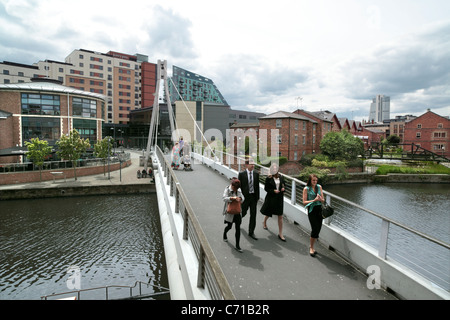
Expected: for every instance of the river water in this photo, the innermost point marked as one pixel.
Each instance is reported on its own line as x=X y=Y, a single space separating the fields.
x=423 y=207
x=110 y=240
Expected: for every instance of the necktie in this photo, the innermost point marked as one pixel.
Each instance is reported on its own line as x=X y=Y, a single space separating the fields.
x=251 y=182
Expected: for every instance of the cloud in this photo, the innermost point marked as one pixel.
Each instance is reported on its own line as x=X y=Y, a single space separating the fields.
x=168 y=36
x=414 y=71
x=249 y=80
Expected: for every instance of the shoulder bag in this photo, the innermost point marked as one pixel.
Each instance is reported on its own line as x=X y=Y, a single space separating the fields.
x=327 y=210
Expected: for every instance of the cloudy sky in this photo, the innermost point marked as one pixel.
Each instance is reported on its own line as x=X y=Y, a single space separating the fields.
x=264 y=56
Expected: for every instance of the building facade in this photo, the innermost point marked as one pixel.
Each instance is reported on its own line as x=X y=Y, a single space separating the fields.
x=189 y=86
x=45 y=109
x=297 y=135
x=128 y=81
x=430 y=131
x=380 y=109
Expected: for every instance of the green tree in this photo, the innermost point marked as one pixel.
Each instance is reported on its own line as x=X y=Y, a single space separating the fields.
x=103 y=149
x=71 y=147
x=341 y=145
x=38 y=150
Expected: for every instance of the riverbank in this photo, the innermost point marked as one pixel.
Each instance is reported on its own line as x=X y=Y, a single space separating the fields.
x=365 y=177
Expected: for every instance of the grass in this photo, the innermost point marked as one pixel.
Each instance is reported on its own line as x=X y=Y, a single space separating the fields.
x=427 y=169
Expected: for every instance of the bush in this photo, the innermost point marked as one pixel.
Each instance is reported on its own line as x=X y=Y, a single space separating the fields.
x=322 y=174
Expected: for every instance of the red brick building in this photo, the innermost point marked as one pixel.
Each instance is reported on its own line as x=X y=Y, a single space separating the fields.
x=430 y=131
x=45 y=109
x=297 y=134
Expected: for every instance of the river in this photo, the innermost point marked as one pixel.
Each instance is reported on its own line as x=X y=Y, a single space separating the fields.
x=423 y=207
x=110 y=240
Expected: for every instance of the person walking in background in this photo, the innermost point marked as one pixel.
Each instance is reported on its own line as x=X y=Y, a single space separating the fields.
x=181 y=145
x=312 y=199
x=249 y=179
x=232 y=193
x=273 y=203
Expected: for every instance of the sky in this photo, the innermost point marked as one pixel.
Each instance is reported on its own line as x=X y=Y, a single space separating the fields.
x=282 y=55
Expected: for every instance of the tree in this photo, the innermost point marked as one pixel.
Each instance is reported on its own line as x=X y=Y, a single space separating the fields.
x=103 y=149
x=38 y=150
x=71 y=147
x=341 y=145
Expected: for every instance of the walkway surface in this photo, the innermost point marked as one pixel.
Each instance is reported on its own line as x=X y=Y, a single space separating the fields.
x=269 y=269
x=128 y=177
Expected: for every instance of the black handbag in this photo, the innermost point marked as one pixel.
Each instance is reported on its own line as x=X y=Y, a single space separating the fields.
x=327 y=210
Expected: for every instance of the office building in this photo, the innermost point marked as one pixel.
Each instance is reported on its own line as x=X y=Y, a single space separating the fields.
x=380 y=109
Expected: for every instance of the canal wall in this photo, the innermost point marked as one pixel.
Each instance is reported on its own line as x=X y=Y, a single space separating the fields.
x=73 y=191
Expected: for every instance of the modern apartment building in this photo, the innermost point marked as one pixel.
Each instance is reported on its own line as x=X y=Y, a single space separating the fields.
x=189 y=86
x=128 y=81
x=380 y=109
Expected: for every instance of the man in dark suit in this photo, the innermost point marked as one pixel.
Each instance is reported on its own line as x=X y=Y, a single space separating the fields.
x=249 y=179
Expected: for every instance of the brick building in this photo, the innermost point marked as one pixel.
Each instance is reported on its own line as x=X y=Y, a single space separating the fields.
x=47 y=110
x=430 y=131
x=297 y=134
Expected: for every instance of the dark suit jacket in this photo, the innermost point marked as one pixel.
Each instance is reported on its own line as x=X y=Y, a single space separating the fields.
x=243 y=178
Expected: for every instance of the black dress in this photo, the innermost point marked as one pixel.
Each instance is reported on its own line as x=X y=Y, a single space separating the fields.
x=273 y=203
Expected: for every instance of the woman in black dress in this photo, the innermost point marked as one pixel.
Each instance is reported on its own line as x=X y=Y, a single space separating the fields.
x=273 y=203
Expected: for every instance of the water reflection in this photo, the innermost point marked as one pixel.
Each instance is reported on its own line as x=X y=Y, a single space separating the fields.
x=114 y=240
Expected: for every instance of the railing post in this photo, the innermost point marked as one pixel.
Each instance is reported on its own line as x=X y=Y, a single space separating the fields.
x=177 y=200
x=185 y=224
x=293 y=192
x=201 y=264
x=382 y=252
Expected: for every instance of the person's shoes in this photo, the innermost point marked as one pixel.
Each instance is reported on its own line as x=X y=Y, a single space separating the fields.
x=253 y=236
x=238 y=249
x=282 y=239
x=265 y=227
x=313 y=254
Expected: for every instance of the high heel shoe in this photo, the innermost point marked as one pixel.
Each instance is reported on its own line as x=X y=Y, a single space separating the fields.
x=312 y=254
x=265 y=226
x=282 y=239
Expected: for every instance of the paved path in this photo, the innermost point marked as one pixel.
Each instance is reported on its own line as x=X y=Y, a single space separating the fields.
x=128 y=177
x=268 y=268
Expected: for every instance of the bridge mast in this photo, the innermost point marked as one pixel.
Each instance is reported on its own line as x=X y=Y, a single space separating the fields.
x=161 y=75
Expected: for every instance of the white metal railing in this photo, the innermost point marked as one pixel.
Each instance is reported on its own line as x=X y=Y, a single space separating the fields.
x=209 y=273
x=294 y=189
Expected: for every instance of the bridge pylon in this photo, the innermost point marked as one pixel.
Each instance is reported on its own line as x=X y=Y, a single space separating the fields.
x=154 y=122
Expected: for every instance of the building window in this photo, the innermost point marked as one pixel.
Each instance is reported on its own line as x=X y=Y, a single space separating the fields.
x=418 y=135
x=42 y=104
x=43 y=128
x=296 y=140
x=279 y=139
x=279 y=123
x=85 y=108
x=419 y=126
x=87 y=129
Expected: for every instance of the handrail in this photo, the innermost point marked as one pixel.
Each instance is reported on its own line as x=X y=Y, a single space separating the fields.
x=78 y=292
x=208 y=263
x=218 y=163
x=378 y=215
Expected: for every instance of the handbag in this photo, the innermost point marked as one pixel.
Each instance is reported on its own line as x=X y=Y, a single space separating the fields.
x=327 y=210
x=234 y=207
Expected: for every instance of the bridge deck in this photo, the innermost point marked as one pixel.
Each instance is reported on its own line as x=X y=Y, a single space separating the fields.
x=269 y=269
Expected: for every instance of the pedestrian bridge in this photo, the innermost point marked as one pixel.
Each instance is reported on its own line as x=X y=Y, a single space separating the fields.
x=201 y=266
